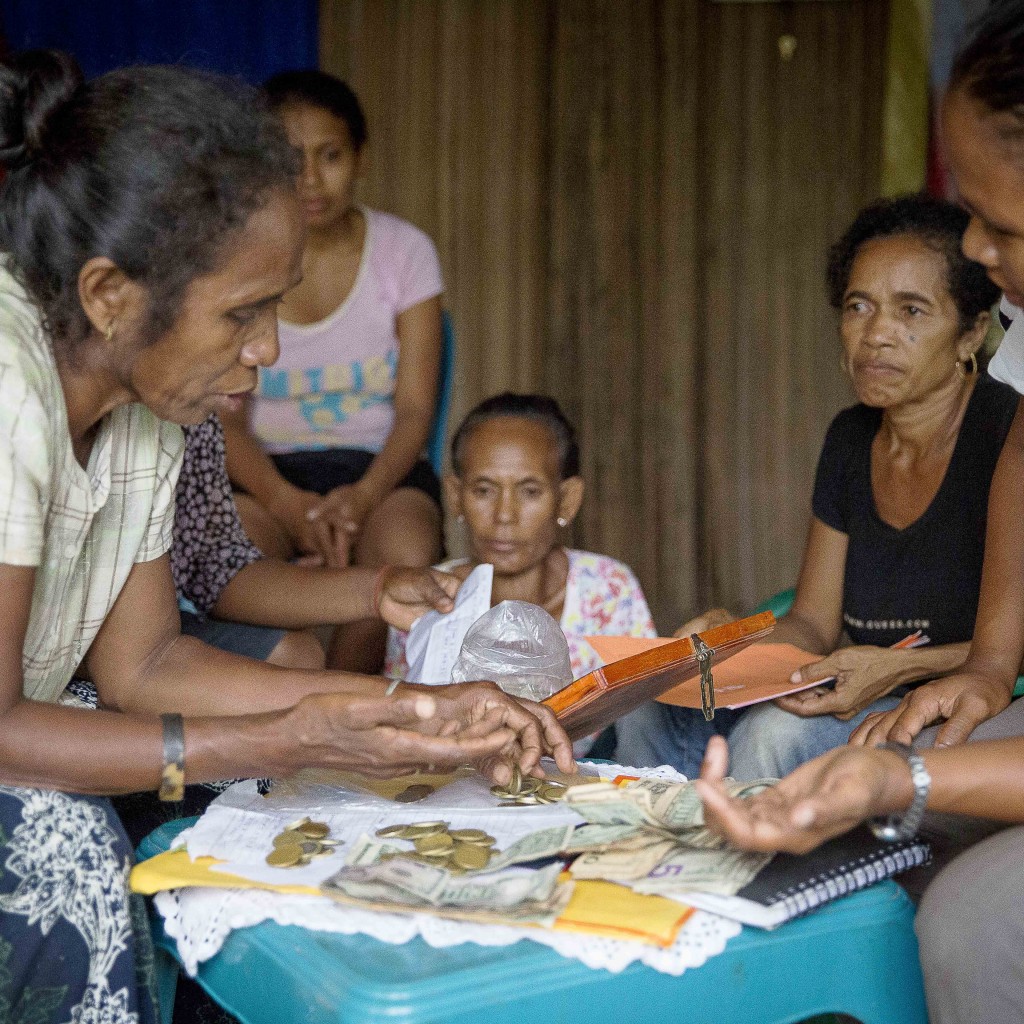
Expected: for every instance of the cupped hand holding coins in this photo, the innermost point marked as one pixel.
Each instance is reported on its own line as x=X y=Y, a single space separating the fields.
x=435 y=727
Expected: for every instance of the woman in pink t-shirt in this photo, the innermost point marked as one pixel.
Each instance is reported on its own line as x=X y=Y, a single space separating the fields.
x=329 y=449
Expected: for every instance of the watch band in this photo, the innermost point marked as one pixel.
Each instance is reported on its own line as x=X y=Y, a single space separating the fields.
x=172 y=778
x=896 y=827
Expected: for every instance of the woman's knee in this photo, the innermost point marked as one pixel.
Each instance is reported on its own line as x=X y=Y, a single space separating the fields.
x=405 y=529
x=970 y=929
x=299 y=649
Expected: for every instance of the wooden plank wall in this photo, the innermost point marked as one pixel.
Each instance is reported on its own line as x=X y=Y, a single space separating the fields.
x=632 y=201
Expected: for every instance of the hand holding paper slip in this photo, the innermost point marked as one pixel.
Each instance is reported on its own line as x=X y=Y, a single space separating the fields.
x=758 y=673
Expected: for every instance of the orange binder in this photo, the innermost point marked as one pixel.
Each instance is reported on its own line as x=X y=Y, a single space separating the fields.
x=600 y=697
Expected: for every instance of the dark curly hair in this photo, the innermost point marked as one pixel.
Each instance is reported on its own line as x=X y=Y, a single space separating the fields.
x=538 y=408
x=990 y=67
x=940 y=226
x=319 y=89
x=155 y=168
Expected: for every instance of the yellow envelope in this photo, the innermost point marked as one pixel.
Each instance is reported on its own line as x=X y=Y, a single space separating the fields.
x=596 y=908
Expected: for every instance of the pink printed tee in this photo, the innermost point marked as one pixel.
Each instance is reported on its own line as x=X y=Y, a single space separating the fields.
x=334 y=384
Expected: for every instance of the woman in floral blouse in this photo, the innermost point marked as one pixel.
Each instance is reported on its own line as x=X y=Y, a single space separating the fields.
x=515 y=487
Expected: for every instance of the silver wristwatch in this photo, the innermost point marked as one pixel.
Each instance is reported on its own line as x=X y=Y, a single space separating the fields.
x=895 y=827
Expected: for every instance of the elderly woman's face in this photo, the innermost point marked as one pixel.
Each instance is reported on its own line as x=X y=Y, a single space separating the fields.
x=509 y=493
x=899 y=324
x=989 y=175
x=227 y=326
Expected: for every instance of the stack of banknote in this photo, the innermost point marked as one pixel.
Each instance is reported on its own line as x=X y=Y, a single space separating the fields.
x=648 y=835
x=385 y=876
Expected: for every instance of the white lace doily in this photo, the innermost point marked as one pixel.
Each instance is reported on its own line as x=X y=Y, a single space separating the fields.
x=200 y=919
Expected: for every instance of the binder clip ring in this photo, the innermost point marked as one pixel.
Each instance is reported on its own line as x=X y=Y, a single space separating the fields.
x=704 y=654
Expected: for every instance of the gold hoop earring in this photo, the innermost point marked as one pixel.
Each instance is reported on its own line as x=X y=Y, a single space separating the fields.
x=968 y=367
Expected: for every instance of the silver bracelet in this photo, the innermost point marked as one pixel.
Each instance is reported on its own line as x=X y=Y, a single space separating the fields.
x=896 y=827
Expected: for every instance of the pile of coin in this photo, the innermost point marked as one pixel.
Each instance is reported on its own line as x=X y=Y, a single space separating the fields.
x=522 y=792
x=458 y=850
x=301 y=842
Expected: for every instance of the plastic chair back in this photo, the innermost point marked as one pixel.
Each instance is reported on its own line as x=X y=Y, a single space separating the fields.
x=778 y=604
x=446 y=377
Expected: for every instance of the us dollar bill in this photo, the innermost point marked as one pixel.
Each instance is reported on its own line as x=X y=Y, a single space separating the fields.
x=534 y=896
x=723 y=872
x=546 y=842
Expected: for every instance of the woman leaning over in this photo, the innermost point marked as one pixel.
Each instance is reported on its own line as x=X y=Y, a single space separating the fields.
x=897 y=531
x=971 y=921
x=151 y=225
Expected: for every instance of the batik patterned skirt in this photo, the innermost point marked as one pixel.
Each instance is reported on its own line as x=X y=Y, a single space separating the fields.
x=74 y=942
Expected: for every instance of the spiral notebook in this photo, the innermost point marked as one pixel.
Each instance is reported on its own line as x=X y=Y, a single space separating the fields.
x=791 y=885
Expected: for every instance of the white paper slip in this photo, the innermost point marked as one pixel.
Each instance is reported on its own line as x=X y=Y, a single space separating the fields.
x=435 y=639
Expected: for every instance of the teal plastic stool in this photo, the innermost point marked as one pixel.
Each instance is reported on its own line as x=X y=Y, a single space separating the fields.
x=779 y=604
x=857 y=956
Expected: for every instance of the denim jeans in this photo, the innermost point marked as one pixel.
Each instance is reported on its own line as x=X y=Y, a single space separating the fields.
x=764 y=741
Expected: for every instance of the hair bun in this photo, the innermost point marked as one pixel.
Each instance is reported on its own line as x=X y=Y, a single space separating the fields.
x=33 y=86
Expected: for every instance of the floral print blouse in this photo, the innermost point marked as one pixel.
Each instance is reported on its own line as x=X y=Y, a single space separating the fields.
x=602 y=598
x=210 y=546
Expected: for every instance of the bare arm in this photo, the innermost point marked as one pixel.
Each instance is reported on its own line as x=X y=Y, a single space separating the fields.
x=840 y=789
x=419 y=363
x=269 y=592
x=252 y=469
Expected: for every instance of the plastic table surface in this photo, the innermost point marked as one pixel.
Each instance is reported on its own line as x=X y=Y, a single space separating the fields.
x=857 y=955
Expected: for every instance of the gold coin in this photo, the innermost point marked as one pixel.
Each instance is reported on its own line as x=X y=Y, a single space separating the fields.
x=501 y=792
x=284 y=857
x=411 y=794
x=472 y=858
x=436 y=856
x=551 y=793
x=391 y=832
x=470 y=835
x=431 y=845
x=288 y=839
x=296 y=825
x=314 y=830
x=419 y=829
x=516 y=785
x=529 y=786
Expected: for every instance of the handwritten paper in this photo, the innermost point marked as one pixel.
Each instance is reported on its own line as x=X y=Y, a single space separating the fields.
x=435 y=639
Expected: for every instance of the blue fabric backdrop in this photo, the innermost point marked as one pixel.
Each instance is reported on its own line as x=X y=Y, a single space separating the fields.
x=251 y=38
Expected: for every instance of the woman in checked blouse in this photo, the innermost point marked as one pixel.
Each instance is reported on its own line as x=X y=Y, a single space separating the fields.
x=151 y=226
